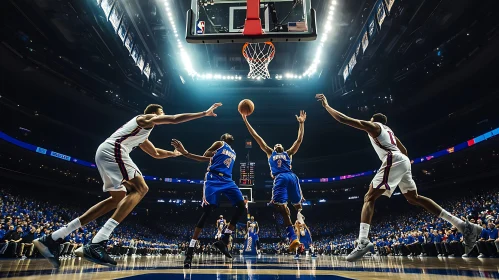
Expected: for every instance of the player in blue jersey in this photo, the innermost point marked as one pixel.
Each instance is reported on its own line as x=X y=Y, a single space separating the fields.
x=286 y=184
x=218 y=180
x=303 y=232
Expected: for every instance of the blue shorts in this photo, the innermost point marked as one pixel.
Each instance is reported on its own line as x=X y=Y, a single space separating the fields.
x=306 y=240
x=215 y=185
x=286 y=188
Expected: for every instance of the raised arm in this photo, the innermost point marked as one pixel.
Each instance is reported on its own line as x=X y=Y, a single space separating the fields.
x=369 y=127
x=301 y=130
x=401 y=147
x=257 y=137
x=213 y=149
x=179 y=147
x=150 y=120
x=148 y=147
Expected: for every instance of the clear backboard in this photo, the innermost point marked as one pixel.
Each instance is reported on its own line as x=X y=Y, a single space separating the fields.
x=241 y=21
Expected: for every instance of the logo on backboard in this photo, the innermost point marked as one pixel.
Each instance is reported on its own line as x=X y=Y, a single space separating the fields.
x=200 y=27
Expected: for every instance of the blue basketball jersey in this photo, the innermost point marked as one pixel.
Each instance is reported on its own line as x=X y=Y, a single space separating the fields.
x=223 y=161
x=279 y=163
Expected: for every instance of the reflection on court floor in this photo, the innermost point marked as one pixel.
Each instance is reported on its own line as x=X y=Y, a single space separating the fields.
x=257 y=268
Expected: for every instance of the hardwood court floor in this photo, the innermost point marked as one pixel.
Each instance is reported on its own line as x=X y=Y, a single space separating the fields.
x=257 y=268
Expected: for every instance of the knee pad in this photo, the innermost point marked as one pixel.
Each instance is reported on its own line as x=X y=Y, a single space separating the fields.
x=206 y=214
x=240 y=206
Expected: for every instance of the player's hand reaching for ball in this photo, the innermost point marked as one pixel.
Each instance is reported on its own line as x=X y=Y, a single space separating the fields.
x=179 y=147
x=322 y=98
x=211 y=111
x=302 y=117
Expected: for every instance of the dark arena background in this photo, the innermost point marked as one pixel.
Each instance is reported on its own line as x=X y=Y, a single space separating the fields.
x=73 y=72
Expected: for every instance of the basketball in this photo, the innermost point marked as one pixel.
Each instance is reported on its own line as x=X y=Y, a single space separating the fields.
x=246 y=107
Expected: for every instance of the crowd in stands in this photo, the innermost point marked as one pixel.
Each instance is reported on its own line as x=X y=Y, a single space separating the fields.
x=417 y=233
x=22 y=220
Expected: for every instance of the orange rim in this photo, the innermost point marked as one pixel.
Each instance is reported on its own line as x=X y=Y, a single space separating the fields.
x=270 y=56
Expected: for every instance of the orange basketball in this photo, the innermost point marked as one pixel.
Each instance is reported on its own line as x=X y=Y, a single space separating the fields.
x=246 y=107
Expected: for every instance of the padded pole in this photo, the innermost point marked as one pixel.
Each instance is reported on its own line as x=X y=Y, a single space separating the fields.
x=253 y=24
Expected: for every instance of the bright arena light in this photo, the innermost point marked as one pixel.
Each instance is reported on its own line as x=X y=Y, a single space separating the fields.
x=328 y=27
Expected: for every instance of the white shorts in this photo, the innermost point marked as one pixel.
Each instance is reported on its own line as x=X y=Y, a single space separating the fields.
x=114 y=167
x=395 y=171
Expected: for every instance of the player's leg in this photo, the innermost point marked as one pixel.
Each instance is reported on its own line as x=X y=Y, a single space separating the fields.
x=296 y=196
x=234 y=194
x=470 y=231
x=280 y=200
x=95 y=251
x=380 y=185
x=207 y=209
x=49 y=245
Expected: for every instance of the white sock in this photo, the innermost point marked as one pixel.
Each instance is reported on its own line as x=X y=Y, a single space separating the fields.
x=105 y=231
x=66 y=230
x=364 y=230
x=193 y=243
x=455 y=221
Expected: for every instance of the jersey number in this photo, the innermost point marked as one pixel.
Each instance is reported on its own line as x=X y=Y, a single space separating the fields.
x=227 y=162
x=391 y=137
x=279 y=163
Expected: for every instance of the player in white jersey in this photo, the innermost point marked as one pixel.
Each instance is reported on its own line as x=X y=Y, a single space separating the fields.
x=221 y=222
x=395 y=171
x=119 y=175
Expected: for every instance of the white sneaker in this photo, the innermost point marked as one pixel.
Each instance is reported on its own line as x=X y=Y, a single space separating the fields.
x=363 y=246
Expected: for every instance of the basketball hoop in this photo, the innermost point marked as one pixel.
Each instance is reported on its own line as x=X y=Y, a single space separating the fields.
x=259 y=56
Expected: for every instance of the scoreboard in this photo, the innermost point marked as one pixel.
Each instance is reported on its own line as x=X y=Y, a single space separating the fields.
x=247 y=174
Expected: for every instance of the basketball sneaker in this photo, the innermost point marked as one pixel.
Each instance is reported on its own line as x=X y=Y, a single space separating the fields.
x=297 y=256
x=49 y=248
x=470 y=236
x=221 y=245
x=96 y=253
x=314 y=255
x=363 y=246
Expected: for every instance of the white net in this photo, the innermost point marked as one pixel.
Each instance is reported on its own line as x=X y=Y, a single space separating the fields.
x=259 y=56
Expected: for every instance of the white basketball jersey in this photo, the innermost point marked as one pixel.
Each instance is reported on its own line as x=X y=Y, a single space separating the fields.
x=385 y=143
x=129 y=136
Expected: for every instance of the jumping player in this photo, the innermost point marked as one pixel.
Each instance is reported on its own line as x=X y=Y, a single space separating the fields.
x=286 y=183
x=119 y=175
x=220 y=225
x=395 y=171
x=218 y=180
x=305 y=236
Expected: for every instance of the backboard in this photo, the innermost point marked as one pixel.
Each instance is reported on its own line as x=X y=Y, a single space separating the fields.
x=241 y=21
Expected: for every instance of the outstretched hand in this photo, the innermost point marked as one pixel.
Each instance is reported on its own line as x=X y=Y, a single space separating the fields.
x=322 y=98
x=302 y=117
x=179 y=147
x=211 y=111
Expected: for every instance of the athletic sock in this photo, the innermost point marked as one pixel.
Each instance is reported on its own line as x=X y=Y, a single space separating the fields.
x=66 y=230
x=455 y=221
x=364 y=230
x=105 y=231
x=193 y=243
